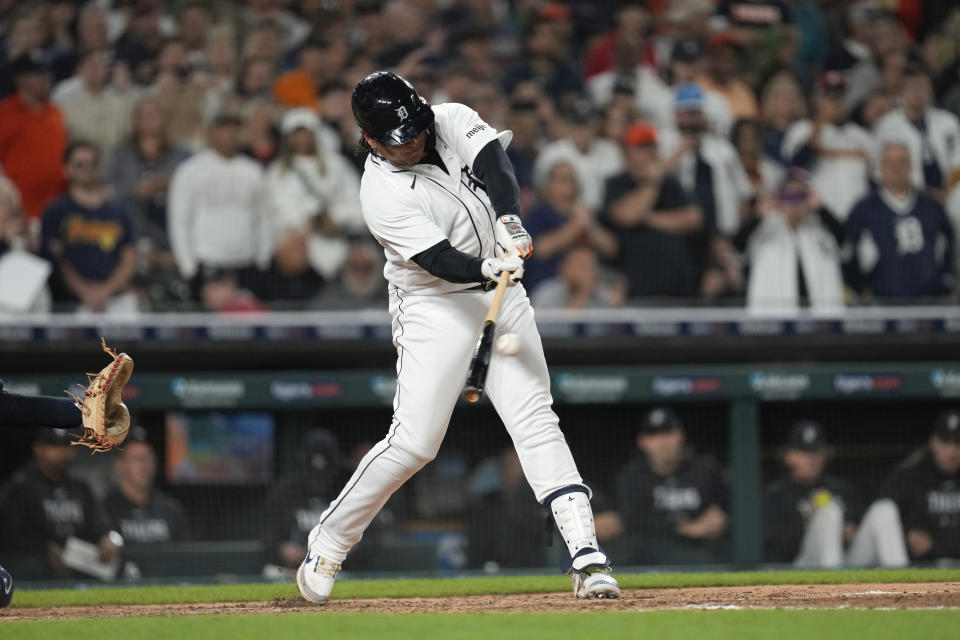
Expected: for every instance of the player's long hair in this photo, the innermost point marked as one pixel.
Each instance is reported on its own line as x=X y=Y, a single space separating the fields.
x=364 y=147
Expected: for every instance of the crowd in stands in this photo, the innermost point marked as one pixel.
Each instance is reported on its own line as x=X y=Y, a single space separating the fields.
x=168 y=154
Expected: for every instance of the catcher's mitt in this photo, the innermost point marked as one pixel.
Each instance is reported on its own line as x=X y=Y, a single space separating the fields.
x=106 y=419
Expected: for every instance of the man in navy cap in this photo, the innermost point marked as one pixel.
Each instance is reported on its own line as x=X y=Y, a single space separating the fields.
x=810 y=515
x=672 y=500
x=919 y=508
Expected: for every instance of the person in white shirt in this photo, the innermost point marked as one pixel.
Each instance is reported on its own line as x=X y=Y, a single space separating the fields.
x=706 y=164
x=794 y=252
x=932 y=135
x=593 y=158
x=93 y=109
x=835 y=150
x=215 y=212
x=652 y=97
x=313 y=193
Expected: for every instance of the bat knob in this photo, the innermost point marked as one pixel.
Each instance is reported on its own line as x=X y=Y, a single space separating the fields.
x=472 y=396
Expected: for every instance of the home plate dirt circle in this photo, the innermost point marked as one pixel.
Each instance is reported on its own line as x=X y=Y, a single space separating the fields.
x=929 y=595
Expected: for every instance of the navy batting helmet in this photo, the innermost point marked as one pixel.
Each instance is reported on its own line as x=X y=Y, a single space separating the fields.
x=389 y=109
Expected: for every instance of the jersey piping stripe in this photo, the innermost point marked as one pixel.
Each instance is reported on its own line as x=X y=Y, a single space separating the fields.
x=469 y=215
x=483 y=205
x=396 y=423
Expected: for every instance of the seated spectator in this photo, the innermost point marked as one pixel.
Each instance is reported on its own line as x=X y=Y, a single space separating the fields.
x=523 y=120
x=261 y=139
x=654 y=221
x=835 y=150
x=632 y=19
x=193 y=28
x=592 y=158
x=653 y=99
x=215 y=211
x=92 y=31
x=89 y=239
x=181 y=93
x=24 y=34
x=290 y=276
x=672 y=501
x=139 y=172
x=782 y=103
x=32 y=136
x=545 y=59
x=724 y=53
x=338 y=127
x=142 y=513
x=918 y=514
x=220 y=291
x=43 y=507
x=15 y=242
x=95 y=110
x=932 y=135
x=901 y=240
x=312 y=194
x=579 y=284
x=320 y=60
x=765 y=173
x=298 y=499
x=793 y=251
x=360 y=284
x=809 y=514
x=706 y=164
x=13 y=227
x=686 y=65
x=560 y=222
x=139 y=45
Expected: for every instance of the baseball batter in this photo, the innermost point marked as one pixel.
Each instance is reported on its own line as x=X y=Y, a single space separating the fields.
x=439 y=194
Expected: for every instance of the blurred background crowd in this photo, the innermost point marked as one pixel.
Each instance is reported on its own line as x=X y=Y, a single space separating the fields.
x=164 y=155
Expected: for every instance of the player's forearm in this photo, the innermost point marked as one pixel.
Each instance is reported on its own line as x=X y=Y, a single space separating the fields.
x=444 y=262
x=493 y=167
x=37 y=411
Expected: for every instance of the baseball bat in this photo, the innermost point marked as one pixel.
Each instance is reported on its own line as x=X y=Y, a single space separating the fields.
x=477 y=375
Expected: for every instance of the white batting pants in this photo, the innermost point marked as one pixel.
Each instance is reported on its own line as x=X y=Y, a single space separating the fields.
x=435 y=336
x=822 y=544
x=879 y=540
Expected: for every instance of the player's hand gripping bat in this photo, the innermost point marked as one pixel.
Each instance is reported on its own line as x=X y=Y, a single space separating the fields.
x=477 y=375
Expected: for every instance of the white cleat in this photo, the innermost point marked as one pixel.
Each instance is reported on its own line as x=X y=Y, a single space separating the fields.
x=315 y=578
x=594 y=583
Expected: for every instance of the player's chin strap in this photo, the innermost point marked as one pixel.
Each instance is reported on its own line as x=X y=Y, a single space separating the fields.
x=569 y=509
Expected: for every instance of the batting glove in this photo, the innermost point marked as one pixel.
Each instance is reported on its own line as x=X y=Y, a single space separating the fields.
x=511 y=236
x=493 y=266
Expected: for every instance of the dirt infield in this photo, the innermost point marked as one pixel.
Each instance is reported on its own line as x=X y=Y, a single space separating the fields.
x=857 y=596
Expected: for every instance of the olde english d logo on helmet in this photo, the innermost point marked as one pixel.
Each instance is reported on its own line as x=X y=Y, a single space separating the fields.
x=402 y=113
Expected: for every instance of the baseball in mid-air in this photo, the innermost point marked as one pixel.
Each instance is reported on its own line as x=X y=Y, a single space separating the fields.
x=508 y=344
